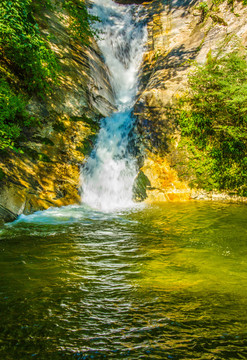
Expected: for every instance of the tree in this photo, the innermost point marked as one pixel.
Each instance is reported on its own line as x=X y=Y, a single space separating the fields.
x=214 y=118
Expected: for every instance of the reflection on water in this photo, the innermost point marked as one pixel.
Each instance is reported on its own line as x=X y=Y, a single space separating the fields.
x=161 y=282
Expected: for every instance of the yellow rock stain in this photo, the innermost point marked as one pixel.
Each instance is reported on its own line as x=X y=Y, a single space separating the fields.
x=165 y=184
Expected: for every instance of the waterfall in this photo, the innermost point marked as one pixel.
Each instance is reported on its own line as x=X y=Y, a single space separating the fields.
x=109 y=173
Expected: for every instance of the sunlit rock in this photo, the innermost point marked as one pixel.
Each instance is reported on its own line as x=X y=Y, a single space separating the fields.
x=177 y=38
x=48 y=172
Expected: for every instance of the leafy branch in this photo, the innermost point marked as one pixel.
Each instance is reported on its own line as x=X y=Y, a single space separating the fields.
x=213 y=121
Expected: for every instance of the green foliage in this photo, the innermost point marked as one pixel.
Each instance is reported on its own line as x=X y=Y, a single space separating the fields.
x=87 y=145
x=203 y=7
x=59 y=126
x=81 y=19
x=35 y=155
x=43 y=140
x=23 y=47
x=230 y=2
x=2 y=174
x=38 y=6
x=27 y=62
x=13 y=117
x=218 y=19
x=214 y=122
x=12 y=114
x=93 y=124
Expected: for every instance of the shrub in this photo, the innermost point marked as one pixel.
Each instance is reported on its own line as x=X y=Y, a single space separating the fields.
x=23 y=47
x=203 y=7
x=214 y=120
x=12 y=115
x=26 y=61
x=81 y=19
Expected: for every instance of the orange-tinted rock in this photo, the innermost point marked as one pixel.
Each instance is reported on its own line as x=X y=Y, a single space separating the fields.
x=176 y=39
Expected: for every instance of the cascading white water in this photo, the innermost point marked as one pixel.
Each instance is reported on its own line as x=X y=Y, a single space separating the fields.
x=108 y=175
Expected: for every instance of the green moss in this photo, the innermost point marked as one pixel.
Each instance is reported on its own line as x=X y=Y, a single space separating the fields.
x=2 y=174
x=218 y=19
x=27 y=64
x=87 y=145
x=140 y=187
x=44 y=158
x=59 y=126
x=92 y=123
x=43 y=140
x=35 y=155
x=12 y=116
x=80 y=25
x=230 y=2
x=203 y=7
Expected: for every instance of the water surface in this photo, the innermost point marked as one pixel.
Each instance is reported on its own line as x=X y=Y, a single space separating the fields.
x=161 y=282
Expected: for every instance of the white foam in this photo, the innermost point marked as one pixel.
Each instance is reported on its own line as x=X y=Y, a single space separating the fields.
x=108 y=175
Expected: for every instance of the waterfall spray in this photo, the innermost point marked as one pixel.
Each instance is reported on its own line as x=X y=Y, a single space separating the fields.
x=109 y=174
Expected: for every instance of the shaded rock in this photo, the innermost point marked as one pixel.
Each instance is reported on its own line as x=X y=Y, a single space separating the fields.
x=140 y=187
x=6 y=215
x=48 y=172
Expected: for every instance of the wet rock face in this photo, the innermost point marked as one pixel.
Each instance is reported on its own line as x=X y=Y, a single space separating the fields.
x=6 y=215
x=48 y=172
x=177 y=37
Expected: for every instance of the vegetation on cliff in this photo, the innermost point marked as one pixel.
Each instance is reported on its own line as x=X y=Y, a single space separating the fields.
x=213 y=122
x=205 y=9
x=28 y=66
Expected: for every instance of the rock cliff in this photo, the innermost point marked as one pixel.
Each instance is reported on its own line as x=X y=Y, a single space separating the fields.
x=47 y=173
x=178 y=35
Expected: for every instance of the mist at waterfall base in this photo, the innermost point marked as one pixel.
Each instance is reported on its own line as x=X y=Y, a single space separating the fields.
x=108 y=175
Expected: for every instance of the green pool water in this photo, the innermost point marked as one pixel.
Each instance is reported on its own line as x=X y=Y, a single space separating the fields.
x=158 y=282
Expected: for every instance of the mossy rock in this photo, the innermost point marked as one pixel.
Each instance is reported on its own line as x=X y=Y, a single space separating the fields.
x=92 y=123
x=59 y=126
x=35 y=155
x=44 y=158
x=87 y=145
x=218 y=19
x=140 y=187
x=2 y=174
x=43 y=140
